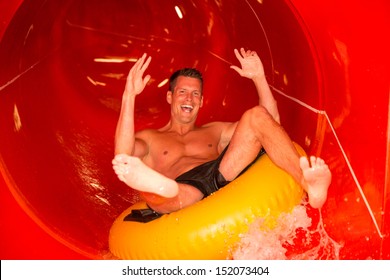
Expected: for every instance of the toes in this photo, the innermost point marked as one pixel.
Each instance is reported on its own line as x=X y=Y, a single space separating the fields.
x=313 y=161
x=317 y=162
x=304 y=163
x=121 y=158
x=121 y=177
x=120 y=169
x=116 y=170
x=115 y=161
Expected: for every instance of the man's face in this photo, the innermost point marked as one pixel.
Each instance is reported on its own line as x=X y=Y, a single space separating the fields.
x=186 y=100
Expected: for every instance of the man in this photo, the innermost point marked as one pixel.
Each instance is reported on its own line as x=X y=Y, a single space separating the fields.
x=181 y=163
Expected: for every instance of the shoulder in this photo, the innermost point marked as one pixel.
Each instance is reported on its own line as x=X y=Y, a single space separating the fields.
x=216 y=125
x=225 y=131
x=143 y=139
x=224 y=127
x=145 y=135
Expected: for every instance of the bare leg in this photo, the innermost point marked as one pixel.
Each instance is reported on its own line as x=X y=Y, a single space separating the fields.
x=258 y=129
x=161 y=193
x=187 y=196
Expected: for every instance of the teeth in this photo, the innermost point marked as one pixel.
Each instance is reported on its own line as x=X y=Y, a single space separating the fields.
x=188 y=107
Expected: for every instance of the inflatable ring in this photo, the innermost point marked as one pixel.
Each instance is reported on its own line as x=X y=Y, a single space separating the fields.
x=210 y=228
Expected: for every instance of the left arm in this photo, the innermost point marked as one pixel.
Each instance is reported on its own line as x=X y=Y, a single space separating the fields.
x=252 y=68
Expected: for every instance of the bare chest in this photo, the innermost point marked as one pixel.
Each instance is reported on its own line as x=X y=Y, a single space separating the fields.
x=172 y=154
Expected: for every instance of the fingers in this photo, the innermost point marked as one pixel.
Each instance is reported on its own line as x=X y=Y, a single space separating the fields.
x=137 y=63
x=244 y=53
x=251 y=53
x=238 y=56
x=146 y=79
x=238 y=69
x=145 y=65
x=251 y=65
x=135 y=81
x=140 y=65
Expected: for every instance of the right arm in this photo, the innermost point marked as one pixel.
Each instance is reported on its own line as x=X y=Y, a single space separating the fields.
x=125 y=140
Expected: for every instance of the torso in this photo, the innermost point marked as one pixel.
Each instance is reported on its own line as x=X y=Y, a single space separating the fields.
x=172 y=154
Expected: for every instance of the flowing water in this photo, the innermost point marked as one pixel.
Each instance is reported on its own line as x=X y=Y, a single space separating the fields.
x=298 y=235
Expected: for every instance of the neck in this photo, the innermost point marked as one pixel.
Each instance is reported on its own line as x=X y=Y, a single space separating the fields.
x=179 y=128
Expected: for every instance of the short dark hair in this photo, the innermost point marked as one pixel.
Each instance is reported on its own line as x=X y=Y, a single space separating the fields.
x=186 y=72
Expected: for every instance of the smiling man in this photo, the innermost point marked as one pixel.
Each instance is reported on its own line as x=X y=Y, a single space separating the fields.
x=181 y=163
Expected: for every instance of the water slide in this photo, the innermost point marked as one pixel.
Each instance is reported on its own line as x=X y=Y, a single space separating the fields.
x=63 y=66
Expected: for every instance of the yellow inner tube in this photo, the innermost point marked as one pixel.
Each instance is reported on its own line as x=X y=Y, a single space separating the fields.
x=210 y=228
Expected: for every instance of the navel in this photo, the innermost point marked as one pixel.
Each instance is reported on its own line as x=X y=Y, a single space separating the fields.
x=165 y=153
x=210 y=145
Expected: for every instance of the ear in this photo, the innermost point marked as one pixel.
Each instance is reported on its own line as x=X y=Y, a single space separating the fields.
x=169 y=97
x=201 y=102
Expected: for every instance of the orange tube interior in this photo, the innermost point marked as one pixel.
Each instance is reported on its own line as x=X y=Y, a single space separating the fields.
x=63 y=66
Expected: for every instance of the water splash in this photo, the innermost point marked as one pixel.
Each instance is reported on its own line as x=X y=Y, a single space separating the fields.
x=298 y=235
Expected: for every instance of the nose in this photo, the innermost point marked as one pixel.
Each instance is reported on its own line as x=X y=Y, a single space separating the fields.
x=189 y=96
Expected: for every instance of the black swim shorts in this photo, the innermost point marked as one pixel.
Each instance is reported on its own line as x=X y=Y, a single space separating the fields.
x=206 y=177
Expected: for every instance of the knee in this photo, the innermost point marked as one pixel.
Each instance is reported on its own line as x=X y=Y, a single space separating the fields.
x=257 y=115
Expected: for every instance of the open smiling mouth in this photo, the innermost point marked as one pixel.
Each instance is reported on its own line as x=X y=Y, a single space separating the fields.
x=187 y=108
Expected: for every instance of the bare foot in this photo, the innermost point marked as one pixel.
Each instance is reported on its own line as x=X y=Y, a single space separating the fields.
x=318 y=178
x=134 y=173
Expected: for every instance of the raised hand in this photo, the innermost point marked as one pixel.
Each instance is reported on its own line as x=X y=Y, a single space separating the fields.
x=135 y=81
x=251 y=65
